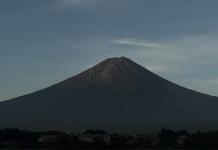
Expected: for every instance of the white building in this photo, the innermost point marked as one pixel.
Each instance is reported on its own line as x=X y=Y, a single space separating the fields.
x=94 y=136
x=50 y=137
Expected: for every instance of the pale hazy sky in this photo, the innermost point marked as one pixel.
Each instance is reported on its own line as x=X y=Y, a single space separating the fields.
x=45 y=41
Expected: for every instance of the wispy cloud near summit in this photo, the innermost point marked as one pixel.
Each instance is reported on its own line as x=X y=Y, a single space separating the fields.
x=77 y=2
x=138 y=43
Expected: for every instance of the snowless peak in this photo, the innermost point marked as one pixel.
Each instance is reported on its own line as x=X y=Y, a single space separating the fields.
x=114 y=61
x=112 y=94
x=125 y=59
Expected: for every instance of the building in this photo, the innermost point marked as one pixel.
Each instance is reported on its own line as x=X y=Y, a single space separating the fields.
x=95 y=136
x=50 y=137
x=181 y=139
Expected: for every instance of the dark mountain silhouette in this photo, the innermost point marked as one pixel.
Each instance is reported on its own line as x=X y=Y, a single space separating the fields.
x=116 y=94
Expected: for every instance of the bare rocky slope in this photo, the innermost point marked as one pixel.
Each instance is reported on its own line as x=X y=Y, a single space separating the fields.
x=116 y=94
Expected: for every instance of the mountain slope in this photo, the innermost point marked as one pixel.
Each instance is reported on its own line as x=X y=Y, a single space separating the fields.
x=116 y=94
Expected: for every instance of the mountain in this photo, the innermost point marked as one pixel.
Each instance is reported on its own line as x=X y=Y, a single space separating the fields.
x=117 y=94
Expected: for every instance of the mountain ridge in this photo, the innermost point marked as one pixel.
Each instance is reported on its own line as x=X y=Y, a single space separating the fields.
x=116 y=93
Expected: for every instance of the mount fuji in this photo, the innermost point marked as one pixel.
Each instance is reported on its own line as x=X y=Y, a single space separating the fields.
x=116 y=94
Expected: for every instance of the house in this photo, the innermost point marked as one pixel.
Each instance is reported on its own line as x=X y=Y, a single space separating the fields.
x=153 y=139
x=50 y=137
x=95 y=136
x=181 y=139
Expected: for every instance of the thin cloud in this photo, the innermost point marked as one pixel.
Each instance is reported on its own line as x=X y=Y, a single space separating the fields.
x=196 y=50
x=139 y=43
x=80 y=3
x=178 y=60
x=75 y=2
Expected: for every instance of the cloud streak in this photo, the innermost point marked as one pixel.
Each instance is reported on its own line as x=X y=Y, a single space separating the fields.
x=81 y=3
x=75 y=2
x=196 y=49
x=138 y=43
x=190 y=61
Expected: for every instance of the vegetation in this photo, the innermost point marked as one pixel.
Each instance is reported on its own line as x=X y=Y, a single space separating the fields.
x=166 y=138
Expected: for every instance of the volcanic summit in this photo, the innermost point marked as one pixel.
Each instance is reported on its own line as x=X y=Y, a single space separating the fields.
x=115 y=94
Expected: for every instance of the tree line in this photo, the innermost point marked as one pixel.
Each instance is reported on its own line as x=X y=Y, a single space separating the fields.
x=165 y=138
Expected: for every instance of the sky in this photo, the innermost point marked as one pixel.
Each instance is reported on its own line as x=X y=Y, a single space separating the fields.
x=43 y=42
